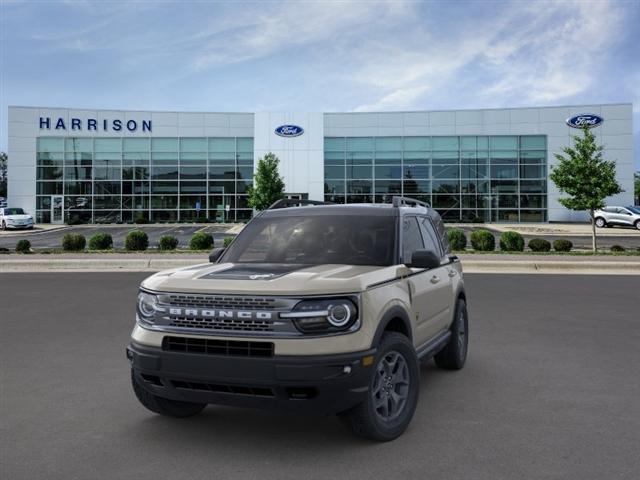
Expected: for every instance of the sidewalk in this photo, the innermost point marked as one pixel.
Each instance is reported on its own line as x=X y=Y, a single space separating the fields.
x=560 y=229
x=231 y=228
x=471 y=263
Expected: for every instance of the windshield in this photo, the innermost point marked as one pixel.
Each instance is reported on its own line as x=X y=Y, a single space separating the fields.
x=13 y=211
x=315 y=240
x=634 y=209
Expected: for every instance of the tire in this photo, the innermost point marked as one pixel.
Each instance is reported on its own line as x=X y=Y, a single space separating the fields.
x=454 y=355
x=4 y=225
x=164 y=406
x=637 y=224
x=601 y=222
x=368 y=420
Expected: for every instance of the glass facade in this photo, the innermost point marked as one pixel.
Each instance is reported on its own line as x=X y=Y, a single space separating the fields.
x=110 y=180
x=466 y=178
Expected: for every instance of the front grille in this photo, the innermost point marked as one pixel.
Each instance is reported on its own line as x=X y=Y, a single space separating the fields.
x=220 y=301
x=218 y=347
x=219 y=388
x=222 y=324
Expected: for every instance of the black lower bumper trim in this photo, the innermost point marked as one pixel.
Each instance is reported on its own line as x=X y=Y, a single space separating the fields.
x=322 y=384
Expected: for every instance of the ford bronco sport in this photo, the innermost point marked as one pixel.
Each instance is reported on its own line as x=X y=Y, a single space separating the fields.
x=317 y=308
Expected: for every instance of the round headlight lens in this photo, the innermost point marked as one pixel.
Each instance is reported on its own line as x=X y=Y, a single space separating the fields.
x=146 y=305
x=339 y=314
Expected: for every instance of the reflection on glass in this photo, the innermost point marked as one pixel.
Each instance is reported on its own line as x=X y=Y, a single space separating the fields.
x=467 y=177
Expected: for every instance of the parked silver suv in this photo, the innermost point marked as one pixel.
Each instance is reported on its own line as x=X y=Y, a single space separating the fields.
x=610 y=216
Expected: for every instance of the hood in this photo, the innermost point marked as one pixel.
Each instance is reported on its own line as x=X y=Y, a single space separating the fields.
x=274 y=279
x=18 y=217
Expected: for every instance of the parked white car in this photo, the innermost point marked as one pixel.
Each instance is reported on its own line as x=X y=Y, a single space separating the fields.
x=15 y=218
x=625 y=216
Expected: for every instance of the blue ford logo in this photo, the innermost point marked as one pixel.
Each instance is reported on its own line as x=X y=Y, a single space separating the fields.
x=289 y=131
x=583 y=120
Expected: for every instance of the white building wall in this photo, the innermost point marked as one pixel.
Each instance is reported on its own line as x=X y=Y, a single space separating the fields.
x=24 y=129
x=302 y=157
x=615 y=133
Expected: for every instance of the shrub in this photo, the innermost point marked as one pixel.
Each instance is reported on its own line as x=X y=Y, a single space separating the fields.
x=511 y=242
x=477 y=220
x=539 y=245
x=201 y=241
x=73 y=242
x=101 y=241
x=142 y=220
x=23 y=246
x=202 y=220
x=457 y=239
x=227 y=241
x=167 y=242
x=562 y=245
x=617 y=248
x=136 y=240
x=483 y=240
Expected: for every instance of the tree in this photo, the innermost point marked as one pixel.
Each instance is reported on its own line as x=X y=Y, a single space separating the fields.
x=3 y=174
x=268 y=185
x=585 y=177
x=636 y=187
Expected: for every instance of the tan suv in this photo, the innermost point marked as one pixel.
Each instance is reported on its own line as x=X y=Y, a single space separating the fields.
x=319 y=308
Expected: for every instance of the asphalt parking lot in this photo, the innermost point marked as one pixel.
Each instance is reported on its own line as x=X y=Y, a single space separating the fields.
x=550 y=391
x=53 y=238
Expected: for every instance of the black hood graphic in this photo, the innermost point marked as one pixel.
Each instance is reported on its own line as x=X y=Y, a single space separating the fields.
x=255 y=271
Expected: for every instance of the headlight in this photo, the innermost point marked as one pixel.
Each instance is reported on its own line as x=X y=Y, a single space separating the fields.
x=147 y=304
x=324 y=315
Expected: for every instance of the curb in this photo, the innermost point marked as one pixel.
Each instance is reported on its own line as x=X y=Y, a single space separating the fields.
x=557 y=267
x=157 y=264
x=96 y=265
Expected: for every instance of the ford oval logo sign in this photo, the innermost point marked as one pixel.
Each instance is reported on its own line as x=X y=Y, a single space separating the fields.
x=588 y=120
x=289 y=131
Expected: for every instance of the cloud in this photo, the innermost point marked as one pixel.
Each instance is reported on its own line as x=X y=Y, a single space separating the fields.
x=536 y=53
x=400 y=98
x=557 y=54
x=281 y=28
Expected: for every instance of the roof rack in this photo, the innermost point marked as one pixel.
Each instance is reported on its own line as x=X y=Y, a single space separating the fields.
x=295 y=202
x=408 y=202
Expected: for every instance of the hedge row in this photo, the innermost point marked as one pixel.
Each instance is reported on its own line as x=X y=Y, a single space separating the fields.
x=136 y=240
x=484 y=241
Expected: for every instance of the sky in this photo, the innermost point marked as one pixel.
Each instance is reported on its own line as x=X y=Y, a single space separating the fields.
x=318 y=55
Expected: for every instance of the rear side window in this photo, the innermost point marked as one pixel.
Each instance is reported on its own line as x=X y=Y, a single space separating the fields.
x=411 y=238
x=430 y=237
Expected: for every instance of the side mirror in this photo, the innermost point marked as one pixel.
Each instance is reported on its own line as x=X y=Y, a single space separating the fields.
x=215 y=254
x=424 y=259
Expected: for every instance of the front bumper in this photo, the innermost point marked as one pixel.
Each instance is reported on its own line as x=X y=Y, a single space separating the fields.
x=322 y=384
x=19 y=226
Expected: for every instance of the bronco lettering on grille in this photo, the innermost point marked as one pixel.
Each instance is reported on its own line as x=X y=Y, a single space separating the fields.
x=232 y=314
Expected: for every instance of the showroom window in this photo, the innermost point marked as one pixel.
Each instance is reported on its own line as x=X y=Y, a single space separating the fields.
x=110 y=180
x=466 y=178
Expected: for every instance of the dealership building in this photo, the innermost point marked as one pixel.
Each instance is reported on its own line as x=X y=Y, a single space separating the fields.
x=108 y=166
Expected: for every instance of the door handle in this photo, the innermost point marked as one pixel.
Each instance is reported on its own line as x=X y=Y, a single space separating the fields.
x=452 y=273
x=435 y=279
